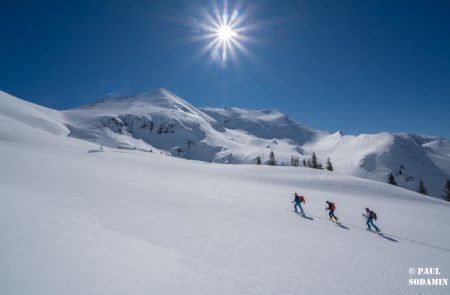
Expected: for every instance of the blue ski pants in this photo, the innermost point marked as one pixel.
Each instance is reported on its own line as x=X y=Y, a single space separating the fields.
x=299 y=205
x=370 y=222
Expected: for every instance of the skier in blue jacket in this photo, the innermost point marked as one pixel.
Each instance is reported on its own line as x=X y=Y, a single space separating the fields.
x=298 y=200
x=370 y=216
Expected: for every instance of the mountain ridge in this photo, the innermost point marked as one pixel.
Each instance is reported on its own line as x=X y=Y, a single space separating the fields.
x=162 y=121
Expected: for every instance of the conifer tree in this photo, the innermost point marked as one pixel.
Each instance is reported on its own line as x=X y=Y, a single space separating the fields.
x=446 y=195
x=304 y=162
x=329 y=165
x=272 y=161
x=391 y=179
x=314 y=161
x=258 y=160
x=295 y=161
x=422 y=189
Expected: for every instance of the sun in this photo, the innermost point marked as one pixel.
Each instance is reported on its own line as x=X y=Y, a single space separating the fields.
x=225 y=29
x=225 y=33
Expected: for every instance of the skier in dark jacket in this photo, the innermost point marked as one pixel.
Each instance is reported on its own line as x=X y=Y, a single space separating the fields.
x=298 y=200
x=331 y=206
x=370 y=216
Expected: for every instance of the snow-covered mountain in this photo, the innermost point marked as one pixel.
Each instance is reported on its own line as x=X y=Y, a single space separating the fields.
x=161 y=121
x=265 y=124
x=158 y=120
x=375 y=156
x=76 y=219
x=409 y=157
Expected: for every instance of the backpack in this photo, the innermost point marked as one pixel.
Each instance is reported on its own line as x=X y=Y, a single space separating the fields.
x=302 y=199
x=332 y=206
x=374 y=215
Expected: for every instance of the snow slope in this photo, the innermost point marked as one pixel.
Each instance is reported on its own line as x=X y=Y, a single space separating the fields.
x=74 y=220
x=374 y=156
x=160 y=121
x=21 y=120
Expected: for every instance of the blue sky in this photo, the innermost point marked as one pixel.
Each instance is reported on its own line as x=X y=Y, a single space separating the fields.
x=349 y=65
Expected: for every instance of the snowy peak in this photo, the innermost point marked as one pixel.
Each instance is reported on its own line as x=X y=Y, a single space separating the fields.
x=158 y=99
x=158 y=103
x=266 y=124
x=155 y=120
x=163 y=99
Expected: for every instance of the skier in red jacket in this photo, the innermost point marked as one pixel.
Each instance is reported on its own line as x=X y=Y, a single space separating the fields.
x=331 y=206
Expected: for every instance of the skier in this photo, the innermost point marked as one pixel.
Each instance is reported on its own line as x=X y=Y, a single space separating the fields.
x=370 y=216
x=331 y=207
x=298 y=200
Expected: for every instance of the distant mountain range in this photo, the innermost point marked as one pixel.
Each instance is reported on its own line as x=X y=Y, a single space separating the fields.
x=160 y=121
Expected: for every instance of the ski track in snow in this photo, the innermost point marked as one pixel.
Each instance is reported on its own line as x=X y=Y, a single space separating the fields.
x=384 y=234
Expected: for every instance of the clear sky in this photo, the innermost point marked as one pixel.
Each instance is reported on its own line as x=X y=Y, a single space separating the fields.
x=350 y=65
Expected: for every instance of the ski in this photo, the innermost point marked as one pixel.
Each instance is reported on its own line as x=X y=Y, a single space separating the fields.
x=303 y=215
x=375 y=232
